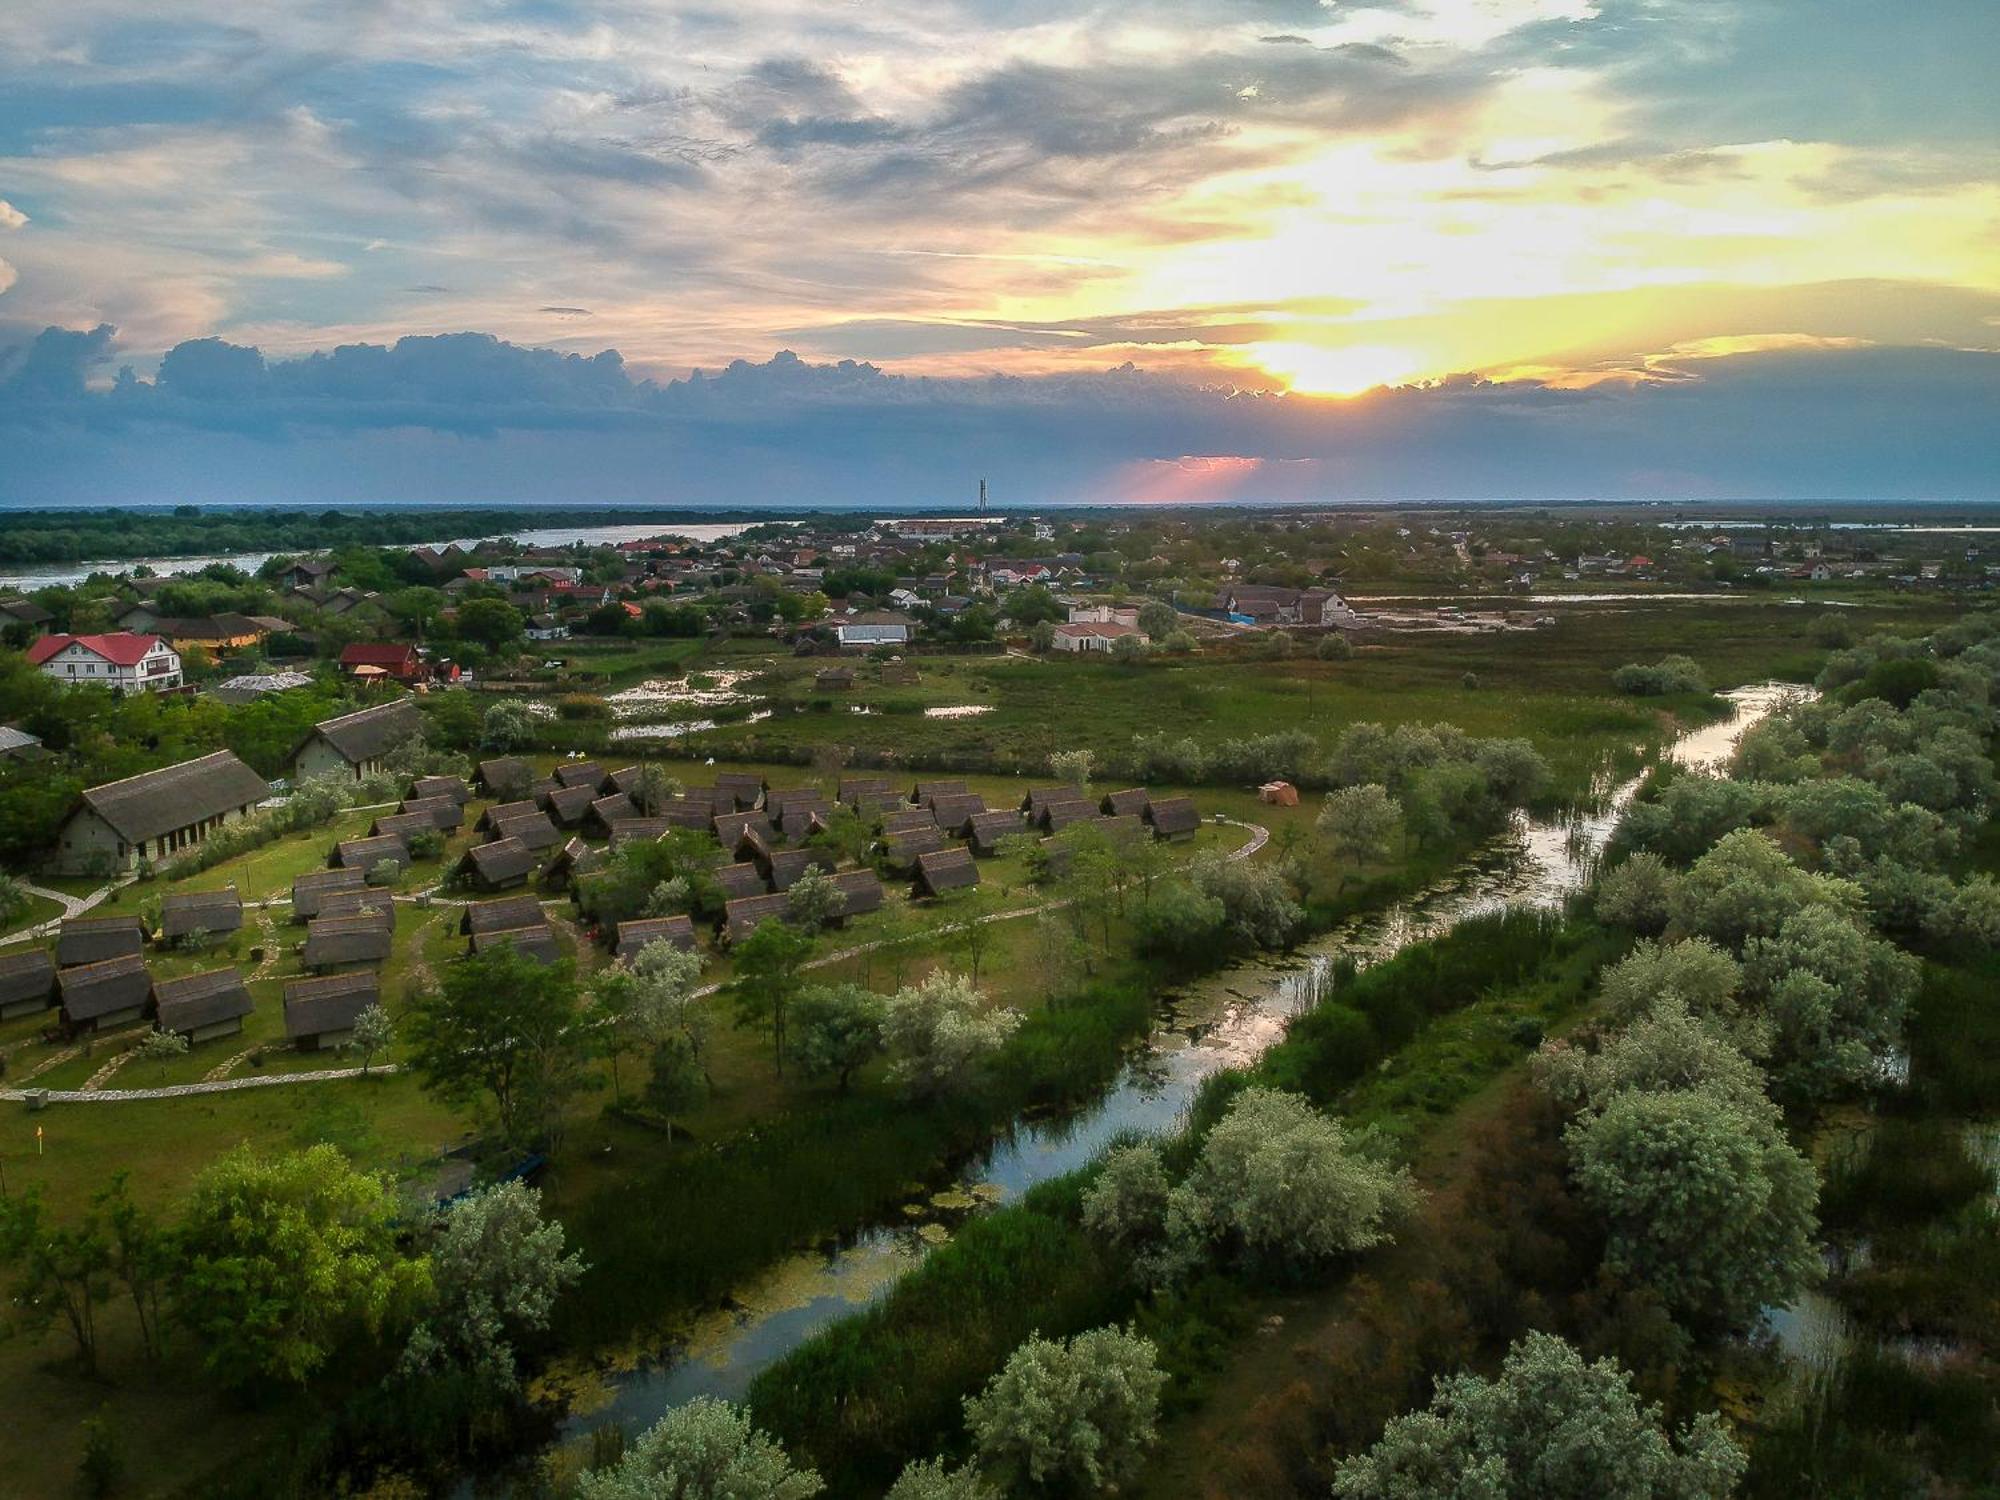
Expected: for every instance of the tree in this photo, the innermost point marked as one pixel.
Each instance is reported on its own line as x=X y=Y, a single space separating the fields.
x=160 y=1047
x=651 y=1001
x=676 y=1081
x=1637 y=893
x=284 y=1259
x=373 y=1032
x=1333 y=646
x=1703 y=1203
x=767 y=979
x=929 y=1479
x=507 y=726
x=492 y=623
x=940 y=1032
x=14 y=899
x=1283 y=1186
x=1549 y=1427
x=1073 y=1417
x=1256 y=900
x=497 y=1267
x=1073 y=767
x=1042 y=636
x=1126 y=1203
x=59 y=1270
x=1746 y=886
x=1696 y=972
x=142 y=1255
x=1181 y=924
x=1361 y=825
x=1128 y=649
x=813 y=901
x=502 y=1029
x=705 y=1450
x=837 y=1029
x=1158 y=619
x=1178 y=642
x=1834 y=996
x=1664 y=1050
x=1034 y=605
x=653 y=789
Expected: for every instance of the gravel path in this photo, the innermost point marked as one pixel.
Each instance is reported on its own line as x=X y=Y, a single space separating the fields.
x=181 y=1090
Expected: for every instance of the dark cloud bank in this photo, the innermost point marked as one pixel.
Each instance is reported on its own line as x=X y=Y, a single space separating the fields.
x=468 y=417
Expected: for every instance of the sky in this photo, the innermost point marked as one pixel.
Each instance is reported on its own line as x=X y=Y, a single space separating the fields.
x=1140 y=251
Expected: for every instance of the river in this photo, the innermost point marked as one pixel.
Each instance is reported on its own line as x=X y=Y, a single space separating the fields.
x=1225 y=1021
x=250 y=562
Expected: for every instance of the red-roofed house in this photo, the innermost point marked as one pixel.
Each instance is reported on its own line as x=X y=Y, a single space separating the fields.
x=391 y=658
x=122 y=660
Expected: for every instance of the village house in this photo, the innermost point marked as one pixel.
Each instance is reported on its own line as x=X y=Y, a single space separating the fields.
x=320 y=1013
x=1104 y=614
x=202 y=1007
x=878 y=627
x=25 y=618
x=313 y=890
x=634 y=935
x=306 y=573
x=96 y=997
x=1093 y=637
x=357 y=744
x=184 y=914
x=155 y=814
x=91 y=940
x=339 y=942
x=27 y=983
x=121 y=661
x=212 y=633
x=397 y=661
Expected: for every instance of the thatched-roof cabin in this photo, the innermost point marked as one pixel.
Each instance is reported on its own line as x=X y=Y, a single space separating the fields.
x=27 y=982
x=92 y=940
x=183 y=913
x=365 y=854
x=342 y=942
x=631 y=936
x=309 y=891
x=112 y=992
x=447 y=814
x=496 y=866
x=454 y=787
x=320 y=1013
x=1173 y=818
x=202 y=1007
x=986 y=830
x=522 y=910
x=944 y=870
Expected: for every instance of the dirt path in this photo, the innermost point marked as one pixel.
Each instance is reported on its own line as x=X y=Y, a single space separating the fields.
x=1259 y=837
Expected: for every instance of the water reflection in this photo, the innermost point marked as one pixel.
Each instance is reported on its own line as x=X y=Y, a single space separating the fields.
x=1227 y=1021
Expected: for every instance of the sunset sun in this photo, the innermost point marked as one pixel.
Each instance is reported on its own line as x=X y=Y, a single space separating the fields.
x=1333 y=369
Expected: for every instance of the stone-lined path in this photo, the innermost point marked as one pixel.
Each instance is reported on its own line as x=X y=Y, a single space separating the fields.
x=181 y=1090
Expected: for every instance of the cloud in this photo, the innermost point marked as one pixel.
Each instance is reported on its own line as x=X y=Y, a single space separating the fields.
x=10 y=216
x=565 y=312
x=468 y=416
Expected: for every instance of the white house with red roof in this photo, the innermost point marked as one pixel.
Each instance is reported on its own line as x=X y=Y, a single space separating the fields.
x=124 y=660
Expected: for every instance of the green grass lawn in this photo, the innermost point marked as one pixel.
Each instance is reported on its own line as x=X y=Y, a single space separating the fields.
x=1551 y=685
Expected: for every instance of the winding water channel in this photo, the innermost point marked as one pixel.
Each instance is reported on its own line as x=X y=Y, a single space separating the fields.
x=1225 y=1021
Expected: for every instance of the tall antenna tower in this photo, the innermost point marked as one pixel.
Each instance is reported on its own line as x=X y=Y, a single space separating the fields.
x=982 y=497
